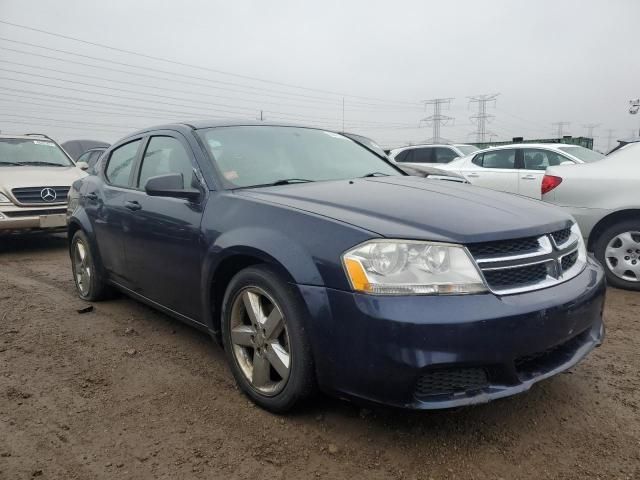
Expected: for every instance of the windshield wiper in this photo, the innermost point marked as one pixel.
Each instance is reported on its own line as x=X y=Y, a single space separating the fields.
x=12 y=163
x=44 y=163
x=288 y=181
x=375 y=174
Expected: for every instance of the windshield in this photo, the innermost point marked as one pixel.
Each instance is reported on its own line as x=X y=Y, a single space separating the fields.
x=467 y=149
x=583 y=154
x=19 y=151
x=260 y=155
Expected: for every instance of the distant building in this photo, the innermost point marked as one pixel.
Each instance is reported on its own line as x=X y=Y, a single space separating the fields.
x=582 y=141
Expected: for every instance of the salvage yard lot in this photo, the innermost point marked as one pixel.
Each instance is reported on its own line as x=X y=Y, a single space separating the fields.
x=126 y=392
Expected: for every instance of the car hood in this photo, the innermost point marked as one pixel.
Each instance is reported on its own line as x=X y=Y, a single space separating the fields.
x=416 y=208
x=38 y=176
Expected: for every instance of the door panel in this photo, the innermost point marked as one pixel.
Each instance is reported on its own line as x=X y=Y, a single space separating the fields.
x=534 y=164
x=494 y=170
x=163 y=245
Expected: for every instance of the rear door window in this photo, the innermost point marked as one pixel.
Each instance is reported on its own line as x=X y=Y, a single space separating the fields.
x=499 y=159
x=403 y=156
x=539 y=159
x=443 y=155
x=121 y=163
x=422 y=155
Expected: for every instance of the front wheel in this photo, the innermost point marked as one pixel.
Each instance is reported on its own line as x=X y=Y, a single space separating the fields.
x=265 y=339
x=618 y=249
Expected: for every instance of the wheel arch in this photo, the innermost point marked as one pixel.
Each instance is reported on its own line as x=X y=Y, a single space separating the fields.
x=220 y=267
x=611 y=219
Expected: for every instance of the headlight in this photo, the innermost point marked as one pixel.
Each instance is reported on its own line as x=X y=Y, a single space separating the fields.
x=582 y=248
x=400 y=267
x=4 y=198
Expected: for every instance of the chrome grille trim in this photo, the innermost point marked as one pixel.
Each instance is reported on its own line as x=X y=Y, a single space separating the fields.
x=548 y=252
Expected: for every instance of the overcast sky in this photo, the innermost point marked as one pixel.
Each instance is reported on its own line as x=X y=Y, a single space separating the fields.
x=550 y=61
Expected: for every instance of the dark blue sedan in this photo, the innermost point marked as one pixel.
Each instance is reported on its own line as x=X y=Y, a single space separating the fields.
x=318 y=264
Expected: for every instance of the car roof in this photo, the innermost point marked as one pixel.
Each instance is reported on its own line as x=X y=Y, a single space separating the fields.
x=553 y=146
x=420 y=145
x=200 y=124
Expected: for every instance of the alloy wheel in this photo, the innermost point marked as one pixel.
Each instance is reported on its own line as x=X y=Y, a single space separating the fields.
x=622 y=256
x=82 y=268
x=260 y=340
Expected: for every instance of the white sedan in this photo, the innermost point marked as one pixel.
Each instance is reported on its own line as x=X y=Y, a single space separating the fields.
x=518 y=168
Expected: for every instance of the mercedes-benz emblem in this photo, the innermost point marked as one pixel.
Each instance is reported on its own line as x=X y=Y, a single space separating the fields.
x=48 y=194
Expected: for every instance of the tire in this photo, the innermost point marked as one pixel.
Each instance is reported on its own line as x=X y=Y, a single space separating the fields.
x=251 y=340
x=611 y=249
x=91 y=287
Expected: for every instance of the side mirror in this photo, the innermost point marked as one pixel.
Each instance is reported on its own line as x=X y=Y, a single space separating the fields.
x=169 y=185
x=83 y=166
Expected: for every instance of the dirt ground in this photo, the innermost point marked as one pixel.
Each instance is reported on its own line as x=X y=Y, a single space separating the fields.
x=126 y=392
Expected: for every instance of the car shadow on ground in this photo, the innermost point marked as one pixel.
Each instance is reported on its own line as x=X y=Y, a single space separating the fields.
x=35 y=242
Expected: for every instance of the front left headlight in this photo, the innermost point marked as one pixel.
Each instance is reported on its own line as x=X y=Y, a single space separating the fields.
x=402 y=267
x=582 y=248
x=4 y=198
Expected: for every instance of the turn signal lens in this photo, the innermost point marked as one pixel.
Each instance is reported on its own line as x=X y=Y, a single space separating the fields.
x=549 y=182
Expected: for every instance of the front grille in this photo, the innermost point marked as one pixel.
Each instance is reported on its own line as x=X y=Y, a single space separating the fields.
x=520 y=276
x=32 y=213
x=561 y=236
x=569 y=261
x=547 y=360
x=503 y=247
x=529 y=263
x=451 y=381
x=33 y=195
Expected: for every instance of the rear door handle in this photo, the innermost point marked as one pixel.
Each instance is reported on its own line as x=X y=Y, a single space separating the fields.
x=132 y=205
x=529 y=177
x=473 y=175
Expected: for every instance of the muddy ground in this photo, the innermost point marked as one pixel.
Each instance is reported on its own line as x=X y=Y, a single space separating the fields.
x=126 y=392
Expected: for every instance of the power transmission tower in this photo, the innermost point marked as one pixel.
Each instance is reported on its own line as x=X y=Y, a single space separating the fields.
x=609 y=138
x=482 y=117
x=560 y=128
x=590 y=127
x=437 y=118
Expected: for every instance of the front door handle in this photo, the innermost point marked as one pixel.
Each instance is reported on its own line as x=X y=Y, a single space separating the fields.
x=473 y=175
x=529 y=177
x=132 y=205
x=91 y=196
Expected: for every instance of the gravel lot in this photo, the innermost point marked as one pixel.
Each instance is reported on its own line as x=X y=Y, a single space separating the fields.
x=126 y=392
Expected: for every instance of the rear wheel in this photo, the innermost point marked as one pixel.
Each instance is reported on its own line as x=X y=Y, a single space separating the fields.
x=265 y=340
x=90 y=283
x=618 y=249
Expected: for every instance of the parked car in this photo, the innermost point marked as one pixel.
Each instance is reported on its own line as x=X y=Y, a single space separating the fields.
x=429 y=155
x=91 y=157
x=35 y=176
x=423 y=171
x=519 y=168
x=318 y=264
x=604 y=198
x=75 y=148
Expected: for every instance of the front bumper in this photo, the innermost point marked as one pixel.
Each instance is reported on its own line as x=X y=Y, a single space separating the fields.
x=21 y=220
x=428 y=352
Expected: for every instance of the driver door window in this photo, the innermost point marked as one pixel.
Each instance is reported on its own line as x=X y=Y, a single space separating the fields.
x=166 y=155
x=495 y=170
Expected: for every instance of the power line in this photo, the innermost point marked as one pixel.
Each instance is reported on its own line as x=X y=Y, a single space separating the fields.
x=182 y=82
x=199 y=67
x=437 y=118
x=482 y=117
x=560 y=128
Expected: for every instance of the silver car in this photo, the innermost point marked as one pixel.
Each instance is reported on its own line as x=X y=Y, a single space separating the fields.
x=604 y=198
x=35 y=177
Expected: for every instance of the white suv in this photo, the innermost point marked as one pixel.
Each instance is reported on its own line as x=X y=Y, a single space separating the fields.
x=35 y=177
x=429 y=155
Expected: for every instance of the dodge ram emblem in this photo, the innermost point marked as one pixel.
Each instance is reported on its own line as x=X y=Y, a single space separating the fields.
x=48 y=194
